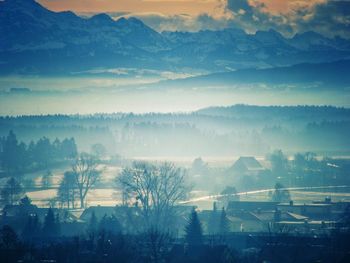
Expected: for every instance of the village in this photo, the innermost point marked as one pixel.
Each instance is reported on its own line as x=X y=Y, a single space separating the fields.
x=242 y=207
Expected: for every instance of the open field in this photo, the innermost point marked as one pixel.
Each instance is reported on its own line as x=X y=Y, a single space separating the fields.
x=105 y=194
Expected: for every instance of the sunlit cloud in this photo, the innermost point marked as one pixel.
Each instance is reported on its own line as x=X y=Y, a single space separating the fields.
x=328 y=17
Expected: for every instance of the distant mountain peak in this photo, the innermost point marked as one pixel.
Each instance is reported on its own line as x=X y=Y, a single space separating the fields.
x=270 y=33
x=21 y=2
x=309 y=35
x=102 y=18
x=130 y=21
x=23 y=6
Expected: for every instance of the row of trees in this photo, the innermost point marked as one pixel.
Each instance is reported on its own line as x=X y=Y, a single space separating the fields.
x=74 y=185
x=17 y=157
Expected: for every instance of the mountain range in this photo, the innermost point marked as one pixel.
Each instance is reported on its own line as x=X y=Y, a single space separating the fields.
x=321 y=75
x=34 y=40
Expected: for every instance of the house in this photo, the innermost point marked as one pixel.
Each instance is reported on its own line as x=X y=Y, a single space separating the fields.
x=17 y=216
x=315 y=211
x=131 y=220
x=246 y=166
x=252 y=216
x=250 y=206
x=337 y=207
x=100 y=212
x=21 y=212
x=308 y=226
x=261 y=221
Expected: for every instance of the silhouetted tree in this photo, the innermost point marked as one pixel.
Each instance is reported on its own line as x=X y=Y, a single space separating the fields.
x=156 y=190
x=69 y=149
x=85 y=175
x=10 y=153
x=25 y=201
x=57 y=152
x=44 y=152
x=67 y=190
x=12 y=192
x=22 y=157
x=194 y=232
x=213 y=224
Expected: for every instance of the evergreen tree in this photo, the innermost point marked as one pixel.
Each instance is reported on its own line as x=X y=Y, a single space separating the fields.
x=12 y=192
x=67 y=191
x=213 y=221
x=10 y=153
x=22 y=157
x=194 y=232
x=56 y=145
x=25 y=201
x=69 y=149
x=43 y=152
x=31 y=153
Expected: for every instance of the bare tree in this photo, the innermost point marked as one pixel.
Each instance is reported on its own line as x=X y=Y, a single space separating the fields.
x=86 y=175
x=155 y=190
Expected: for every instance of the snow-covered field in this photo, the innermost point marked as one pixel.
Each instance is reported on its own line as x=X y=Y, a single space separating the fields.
x=105 y=193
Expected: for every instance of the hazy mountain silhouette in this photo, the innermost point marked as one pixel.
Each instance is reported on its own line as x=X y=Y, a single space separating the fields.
x=329 y=75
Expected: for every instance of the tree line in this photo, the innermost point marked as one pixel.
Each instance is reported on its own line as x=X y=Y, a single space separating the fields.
x=17 y=157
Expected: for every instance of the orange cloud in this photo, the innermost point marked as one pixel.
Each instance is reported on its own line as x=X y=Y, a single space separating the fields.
x=168 y=7
x=285 y=6
x=171 y=7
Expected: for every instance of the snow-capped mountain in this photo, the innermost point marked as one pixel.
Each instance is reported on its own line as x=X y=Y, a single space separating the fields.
x=34 y=40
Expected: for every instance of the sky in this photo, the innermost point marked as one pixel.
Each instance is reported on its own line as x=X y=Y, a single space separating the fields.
x=328 y=17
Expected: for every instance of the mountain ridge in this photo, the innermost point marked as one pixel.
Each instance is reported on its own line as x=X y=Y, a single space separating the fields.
x=32 y=38
x=330 y=74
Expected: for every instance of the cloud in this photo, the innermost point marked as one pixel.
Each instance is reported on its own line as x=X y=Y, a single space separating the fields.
x=326 y=17
x=181 y=22
x=168 y=7
x=330 y=18
x=216 y=18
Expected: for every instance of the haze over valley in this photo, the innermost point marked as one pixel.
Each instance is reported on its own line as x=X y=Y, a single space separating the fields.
x=174 y=131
